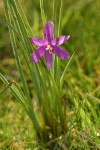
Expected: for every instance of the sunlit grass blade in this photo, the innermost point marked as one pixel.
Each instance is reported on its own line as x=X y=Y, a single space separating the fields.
x=42 y=12
x=60 y=18
x=54 y=19
x=64 y=72
x=92 y=97
x=86 y=120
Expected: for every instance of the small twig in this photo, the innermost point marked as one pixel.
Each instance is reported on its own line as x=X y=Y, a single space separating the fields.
x=56 y=139
x=92 y=97
x=62 y=145
x=53 y=141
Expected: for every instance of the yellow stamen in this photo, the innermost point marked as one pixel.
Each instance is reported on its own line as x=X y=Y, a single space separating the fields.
x=49 y=48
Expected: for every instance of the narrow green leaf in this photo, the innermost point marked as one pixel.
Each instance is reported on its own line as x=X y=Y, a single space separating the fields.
x=65 y=70
x=13 y=41
x=15 y=89
x=42 y=12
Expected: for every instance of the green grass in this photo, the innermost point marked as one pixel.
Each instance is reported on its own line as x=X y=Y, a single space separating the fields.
x=81 y=87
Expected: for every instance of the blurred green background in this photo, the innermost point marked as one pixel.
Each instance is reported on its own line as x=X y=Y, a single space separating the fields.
x=81 y=20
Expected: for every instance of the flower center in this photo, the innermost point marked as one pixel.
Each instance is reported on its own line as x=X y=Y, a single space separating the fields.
x=49 y=48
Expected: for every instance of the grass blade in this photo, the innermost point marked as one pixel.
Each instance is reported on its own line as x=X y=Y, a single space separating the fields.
x=64 y=72
x=15 y=89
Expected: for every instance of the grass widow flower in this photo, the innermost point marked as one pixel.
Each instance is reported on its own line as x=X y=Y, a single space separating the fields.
x=49 y=46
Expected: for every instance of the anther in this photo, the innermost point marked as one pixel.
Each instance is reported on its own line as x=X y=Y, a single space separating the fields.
x=51 y=48
x=48 y=46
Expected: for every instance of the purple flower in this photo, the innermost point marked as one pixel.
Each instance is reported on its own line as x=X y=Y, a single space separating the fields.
x=48 y=46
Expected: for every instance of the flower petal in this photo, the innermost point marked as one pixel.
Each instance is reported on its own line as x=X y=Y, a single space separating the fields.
x=38 y=54
x=48 y=59
x=37 y=41
x=60 y=52
x=48 y=31
x=60 y=40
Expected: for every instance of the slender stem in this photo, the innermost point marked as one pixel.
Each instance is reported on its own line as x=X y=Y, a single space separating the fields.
x=64 y=72
x=57 y=61
x=54 y=21
x=60 y=15
x=42 y=12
